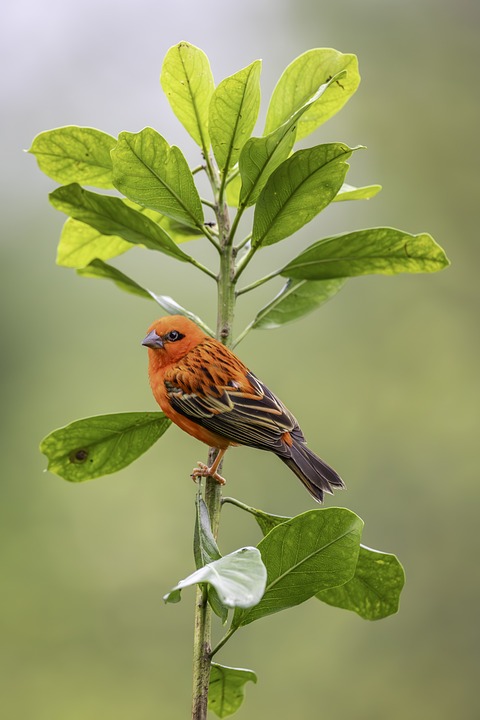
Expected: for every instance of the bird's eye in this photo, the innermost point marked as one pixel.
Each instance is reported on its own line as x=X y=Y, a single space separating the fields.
x=174 y=335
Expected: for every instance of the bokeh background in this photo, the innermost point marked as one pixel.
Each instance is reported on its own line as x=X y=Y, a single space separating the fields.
x=384 y=378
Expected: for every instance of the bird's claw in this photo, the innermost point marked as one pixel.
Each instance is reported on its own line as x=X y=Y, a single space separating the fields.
x=204 y=471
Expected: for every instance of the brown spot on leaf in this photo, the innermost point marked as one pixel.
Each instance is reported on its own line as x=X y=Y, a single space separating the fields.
x=78 y=456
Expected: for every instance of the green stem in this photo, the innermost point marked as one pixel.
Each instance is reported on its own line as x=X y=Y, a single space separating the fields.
x=222 y=642
x=257 y=283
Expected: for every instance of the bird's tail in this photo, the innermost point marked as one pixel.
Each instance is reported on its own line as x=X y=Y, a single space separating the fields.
x=315 y=474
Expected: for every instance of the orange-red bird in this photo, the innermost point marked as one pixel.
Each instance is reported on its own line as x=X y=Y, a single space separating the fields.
x=207 y=391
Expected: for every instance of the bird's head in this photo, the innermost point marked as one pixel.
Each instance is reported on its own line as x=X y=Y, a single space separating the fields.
x=170 y=338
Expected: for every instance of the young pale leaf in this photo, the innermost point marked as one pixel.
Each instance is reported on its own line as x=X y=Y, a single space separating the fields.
x=233 y=113
x=99 y=269
x=152 y=173
x=349 y=192
x=383 y=251
x=111 y=216
x=75 y=154
x=103 y=444
x=261 y=156
x=227 y=689
x=239 y=579
x=298 y=190
x=187 y=82
x=205 y=549
x=80 y=244
x=300 y=80
x=296 y=299
x=311 y=552
x=173 y=308
x=374 y=591
x=232 y=191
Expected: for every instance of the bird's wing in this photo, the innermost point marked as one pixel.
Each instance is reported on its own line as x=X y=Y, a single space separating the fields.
x=246 y=412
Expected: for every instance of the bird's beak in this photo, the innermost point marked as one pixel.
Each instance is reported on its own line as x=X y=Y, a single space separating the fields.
x=153 y=340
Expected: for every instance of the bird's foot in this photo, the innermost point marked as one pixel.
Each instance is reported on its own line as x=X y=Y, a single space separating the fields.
x=204 y=471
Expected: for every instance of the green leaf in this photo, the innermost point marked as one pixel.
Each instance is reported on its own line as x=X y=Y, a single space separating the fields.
x=261 y=156
x=111 y=216
x=383 y=251
x=80 y=244
x=173 y=308
x=99 y=269
x=296 y=299
x=298 y=190
x=309 y=553
x=75 y=154
x=177 y=231
x=187 y=82
x=349 y=192
x=374 y=591
x=233 y=191
x=233 y=113
x=300 y=80
x=239 y=579
x=103 y=444
x=152 y=173
x=227 y=688
x=205 y=549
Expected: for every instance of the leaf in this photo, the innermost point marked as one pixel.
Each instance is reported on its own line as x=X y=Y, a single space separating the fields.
x=233 y=191
x=173 y=308
x=300 y=80
x=374 y=591
x=296 y=299
x=383 y=251
x=205 y=549
x=226 y=691
x=152 y=173
x=239 y=579
x=99 y=269
x=103 y=444
x=311 y=552
x=261 y=156
x=349 y=192
x=298 y=190
x=75 y=154
x=80 y=244
x=177 y=231
x=187 y=82
x=233 y=113
x=111 y=216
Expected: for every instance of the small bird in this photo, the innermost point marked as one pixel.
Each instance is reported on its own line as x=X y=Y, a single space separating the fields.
x=207 y=391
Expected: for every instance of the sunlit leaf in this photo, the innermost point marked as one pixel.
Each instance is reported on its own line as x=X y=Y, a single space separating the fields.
x=233 y=191
x=111 y=216
x=298 y=190
x=227 y=688
x=306 y=554
x=103 y=444
x=349 y=192
x=374 y=591
x=100 y=269
x=377 y=250
x=149 y=171
x=187 y=82
x=80 y=244
x=296 y=299
x=233 y=113
x=239 y=579
x=300 y=80
x=75 y=154
x=173 y=308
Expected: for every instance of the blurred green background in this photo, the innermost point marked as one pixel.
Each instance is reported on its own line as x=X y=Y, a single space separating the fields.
x=384 y=379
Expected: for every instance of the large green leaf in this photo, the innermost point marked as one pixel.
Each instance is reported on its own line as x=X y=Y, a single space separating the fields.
x=227 y=688
x=298 y=190
x=300 y=80
x=233 y=113
x=111 y=216
x=187 y=82
x=377 y=250
x=149 y=171
x=80 y=244
x=103 y=444
x=349 y=192
x=374 y=591
x=238 y=578
x=100 y=269
x=308 y=553
x=75 y=154
x=261 y=156
x=296 y=299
